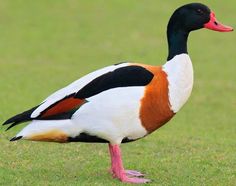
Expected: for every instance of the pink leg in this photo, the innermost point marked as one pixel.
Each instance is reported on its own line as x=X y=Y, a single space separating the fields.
x=118 y=169
x=132 y=173
x=112 y=160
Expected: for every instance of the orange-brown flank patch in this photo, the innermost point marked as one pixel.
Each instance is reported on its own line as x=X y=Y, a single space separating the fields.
x=50 y=136
x=155 y=106
x=64 y=106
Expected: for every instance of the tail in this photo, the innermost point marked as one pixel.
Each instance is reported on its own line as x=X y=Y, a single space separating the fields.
x=47 y=130
x=20 y=118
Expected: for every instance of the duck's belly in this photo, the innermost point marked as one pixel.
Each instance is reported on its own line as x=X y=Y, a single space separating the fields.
x=113 y=116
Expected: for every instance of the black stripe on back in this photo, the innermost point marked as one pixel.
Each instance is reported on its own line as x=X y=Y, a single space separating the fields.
x=121 y=77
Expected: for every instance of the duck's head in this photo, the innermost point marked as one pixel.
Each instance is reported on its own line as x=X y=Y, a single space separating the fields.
x=196 y=16
x=187 y=18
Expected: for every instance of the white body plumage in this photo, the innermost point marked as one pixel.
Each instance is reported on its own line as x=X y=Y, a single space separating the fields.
x=113 y=114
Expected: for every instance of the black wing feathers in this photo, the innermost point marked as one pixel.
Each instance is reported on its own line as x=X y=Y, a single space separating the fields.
x=19 y=118
x=121 y=77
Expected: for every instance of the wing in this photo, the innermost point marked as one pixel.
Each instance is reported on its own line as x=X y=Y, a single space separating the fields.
x=63 y=103
x=73 y=88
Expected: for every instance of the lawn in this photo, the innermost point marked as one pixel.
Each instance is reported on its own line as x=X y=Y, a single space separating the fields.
x=46 y=44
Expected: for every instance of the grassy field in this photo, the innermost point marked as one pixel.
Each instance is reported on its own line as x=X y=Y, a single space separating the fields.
x=46 y=44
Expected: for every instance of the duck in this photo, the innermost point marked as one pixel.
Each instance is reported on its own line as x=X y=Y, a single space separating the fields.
x=123 y=102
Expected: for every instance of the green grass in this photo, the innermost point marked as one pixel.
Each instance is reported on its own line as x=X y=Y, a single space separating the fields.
x=46 y=44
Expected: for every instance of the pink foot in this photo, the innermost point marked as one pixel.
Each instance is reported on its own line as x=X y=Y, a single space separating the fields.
x=134 y=180
x=118 y=171
x=133 y=173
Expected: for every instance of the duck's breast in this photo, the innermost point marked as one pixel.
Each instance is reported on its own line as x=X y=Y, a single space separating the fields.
x=179 y=72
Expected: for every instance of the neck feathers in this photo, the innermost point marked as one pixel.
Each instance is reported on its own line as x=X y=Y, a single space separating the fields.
x=177 y=37
x=177 y=43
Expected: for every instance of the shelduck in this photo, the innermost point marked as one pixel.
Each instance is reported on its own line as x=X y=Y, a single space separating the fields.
x=123 y=102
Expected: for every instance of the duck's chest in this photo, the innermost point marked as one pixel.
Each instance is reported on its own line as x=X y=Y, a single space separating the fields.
x=166 y=93
x=179 y=72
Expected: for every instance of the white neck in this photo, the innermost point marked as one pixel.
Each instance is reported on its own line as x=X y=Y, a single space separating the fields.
x=179 y=72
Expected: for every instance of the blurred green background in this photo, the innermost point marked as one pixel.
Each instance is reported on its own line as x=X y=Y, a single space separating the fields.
x=46 y=44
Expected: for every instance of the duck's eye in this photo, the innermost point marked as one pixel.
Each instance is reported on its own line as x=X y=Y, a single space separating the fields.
x=200 y=11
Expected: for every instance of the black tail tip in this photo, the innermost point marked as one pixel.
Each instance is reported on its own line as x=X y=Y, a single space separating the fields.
x=12 y=125
x=6 y=122
x=16 y=138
